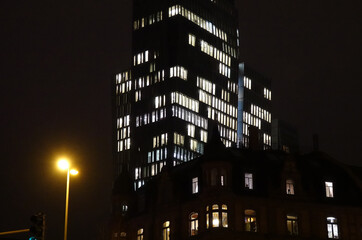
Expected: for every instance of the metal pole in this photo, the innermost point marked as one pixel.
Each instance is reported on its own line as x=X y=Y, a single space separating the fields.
x=14 y=232
x=66 y=208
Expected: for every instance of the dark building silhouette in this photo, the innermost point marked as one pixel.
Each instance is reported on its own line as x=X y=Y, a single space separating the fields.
x=284 y=137
x=231 y=193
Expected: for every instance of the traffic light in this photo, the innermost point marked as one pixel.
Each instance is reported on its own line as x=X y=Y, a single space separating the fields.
x=37 y=228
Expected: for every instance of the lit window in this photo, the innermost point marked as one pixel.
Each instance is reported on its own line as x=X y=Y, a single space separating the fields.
x=329 y=189
x=140 y=234
x=195 y=185
x=223 y=177
x=290 y=187
x=332 y=228
x=166 y=230
x=123 y=235
x=250 y=220
x=218 y=217
x=194 y=223
x=292 y=224
x=191 y=130
x=124 y=208
x=192 y=40
x=249 y=180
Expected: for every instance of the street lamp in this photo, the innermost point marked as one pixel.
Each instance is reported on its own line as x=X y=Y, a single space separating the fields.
x=64 y=165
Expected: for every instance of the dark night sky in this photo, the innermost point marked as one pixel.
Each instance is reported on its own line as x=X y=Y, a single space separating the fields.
x=57 y=64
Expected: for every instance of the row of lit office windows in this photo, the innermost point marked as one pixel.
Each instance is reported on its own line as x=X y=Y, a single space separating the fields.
x=191 y=133
x=123 y=77
x=205 y=85
x=157 y=155
x=152 y=117
x=224 y=70
x=185 y=101
x=215 y=53
x=217 y=216
x=247 y=82
x=229 y=50
x=146 y=81
x=232 y=87
x=217 y=103
x=204 y=24
x=261 y=113
x=249 y=119
x=124 y=87
x=183 y=154
x=267 y=139
x=178 y=71
x=188 y=116
x=227 y=134
x=160 y=101
x=224 y=119
x=124 y=144
x=123 y=133
x=160 y=140
x=140 y=58
x=225 y=95
x=123 y=121
x=267 y=94
x=151 y=19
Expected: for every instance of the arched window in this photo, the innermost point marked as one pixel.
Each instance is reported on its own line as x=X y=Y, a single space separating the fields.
x=332 y=228
x=292 y=224
x=194 y=223
x=123 y=235
x=290 y=186
x=216 y=216
x=140 y=234
x=166 y=230
x=250 y=220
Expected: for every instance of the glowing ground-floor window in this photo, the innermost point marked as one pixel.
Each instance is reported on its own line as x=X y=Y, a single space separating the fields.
x=216 y=216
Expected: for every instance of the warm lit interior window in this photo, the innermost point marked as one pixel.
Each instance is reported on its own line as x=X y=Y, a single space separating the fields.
x=140 y=234
x=292 y=224
x=250 y=220
x=217 y=216
x=332 y=228
x=166 y=230
x=290 y=187
x=194 y=223
x=329 y=189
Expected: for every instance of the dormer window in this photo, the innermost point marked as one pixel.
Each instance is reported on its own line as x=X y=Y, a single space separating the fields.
x=195 y=185
x=124 y=208
x=248 y=180
x=290 y=186
x=329 y=189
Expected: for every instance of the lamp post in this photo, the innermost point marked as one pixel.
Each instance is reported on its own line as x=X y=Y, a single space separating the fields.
x=64 y=165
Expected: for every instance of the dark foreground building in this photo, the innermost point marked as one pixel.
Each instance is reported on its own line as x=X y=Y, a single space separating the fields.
x=231 y=193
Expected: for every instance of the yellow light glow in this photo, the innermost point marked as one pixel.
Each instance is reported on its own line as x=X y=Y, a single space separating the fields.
x=63 y=164
x=74 y=172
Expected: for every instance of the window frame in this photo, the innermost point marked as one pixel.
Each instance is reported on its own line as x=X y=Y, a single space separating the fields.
x=248 y=222
x=166 y=230
x=332 y=228
x=294 y=226
x=193 y=224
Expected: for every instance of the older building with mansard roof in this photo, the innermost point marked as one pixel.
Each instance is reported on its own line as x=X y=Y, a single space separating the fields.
x=242 y=194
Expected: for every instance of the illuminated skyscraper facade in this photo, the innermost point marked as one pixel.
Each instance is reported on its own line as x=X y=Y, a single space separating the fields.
x=185 y=72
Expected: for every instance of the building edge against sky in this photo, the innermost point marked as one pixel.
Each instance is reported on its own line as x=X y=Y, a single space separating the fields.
x=185 y=71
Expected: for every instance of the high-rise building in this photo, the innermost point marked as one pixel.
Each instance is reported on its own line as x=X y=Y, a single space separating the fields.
x=254 y=108
x=185 y=72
